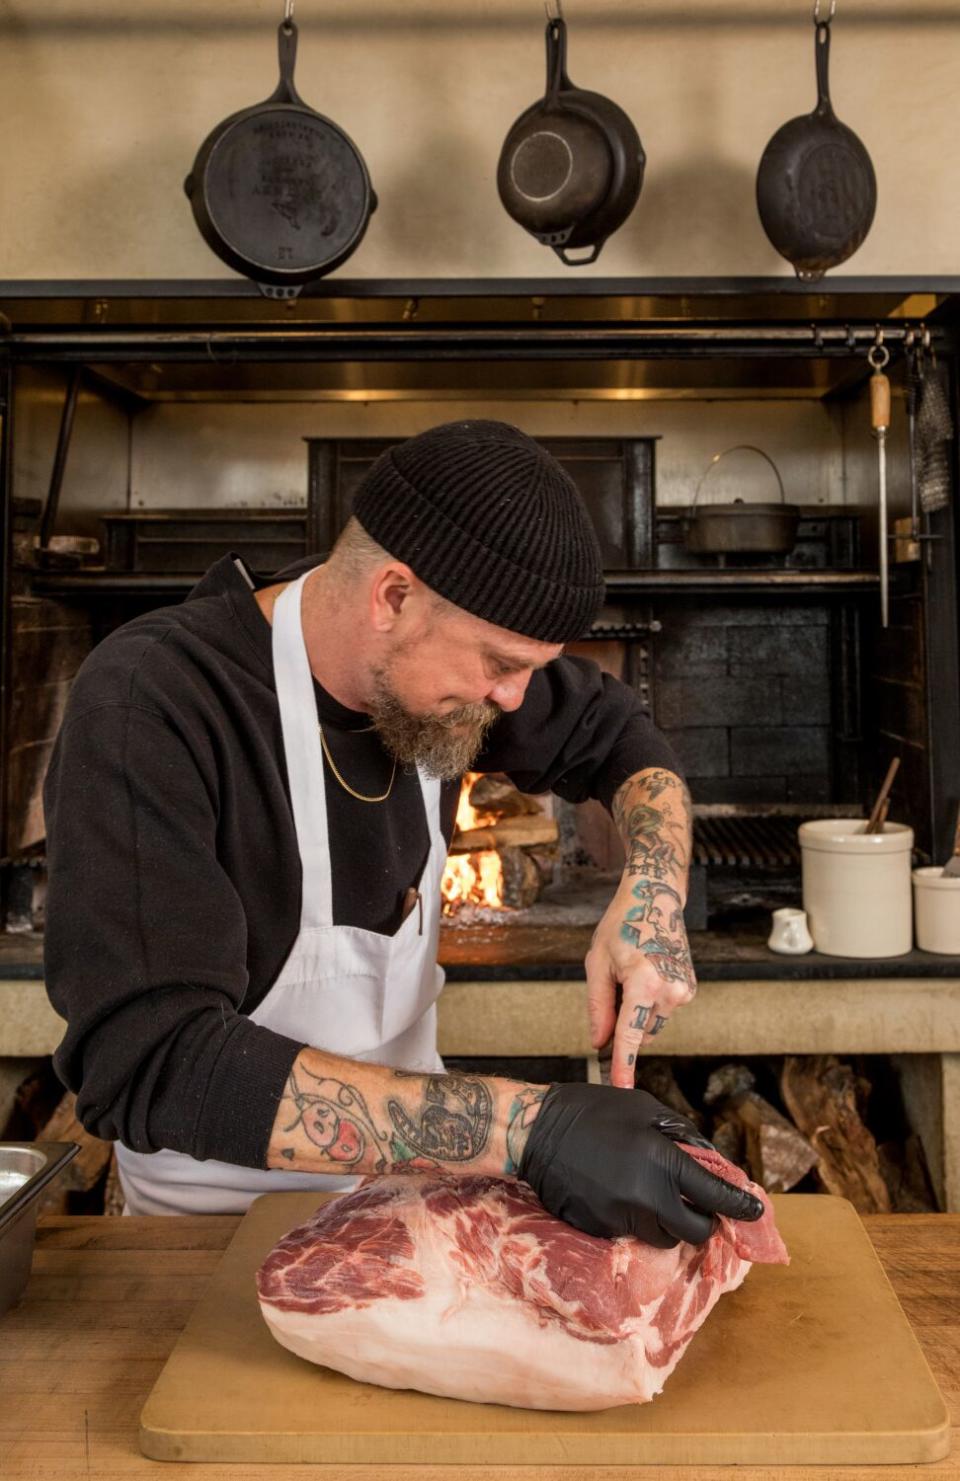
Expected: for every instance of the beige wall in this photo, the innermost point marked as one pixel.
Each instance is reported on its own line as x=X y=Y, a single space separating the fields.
x=234 y=455
x=179 y=451
x=104 y=105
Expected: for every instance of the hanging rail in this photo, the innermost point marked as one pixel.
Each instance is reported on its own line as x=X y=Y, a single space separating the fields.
x=451 y=342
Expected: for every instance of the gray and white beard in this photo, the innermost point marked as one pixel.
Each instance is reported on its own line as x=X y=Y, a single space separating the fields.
x=432 y=741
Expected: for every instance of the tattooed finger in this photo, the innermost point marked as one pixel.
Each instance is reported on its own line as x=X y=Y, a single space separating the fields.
x=640 y=1015
x=658 y=1023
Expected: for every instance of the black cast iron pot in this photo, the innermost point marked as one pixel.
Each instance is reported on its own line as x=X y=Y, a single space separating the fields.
x=571 y=167
x=741 y=528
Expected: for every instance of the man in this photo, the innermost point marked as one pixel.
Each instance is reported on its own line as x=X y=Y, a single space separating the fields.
x=248 y=811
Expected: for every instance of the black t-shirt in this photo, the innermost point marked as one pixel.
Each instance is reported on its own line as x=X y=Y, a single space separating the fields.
x=174 y=876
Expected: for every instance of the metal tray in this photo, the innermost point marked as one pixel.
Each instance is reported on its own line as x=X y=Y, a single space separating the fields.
x=41 y=1161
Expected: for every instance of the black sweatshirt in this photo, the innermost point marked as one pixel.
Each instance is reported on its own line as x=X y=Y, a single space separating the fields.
x=174 y=876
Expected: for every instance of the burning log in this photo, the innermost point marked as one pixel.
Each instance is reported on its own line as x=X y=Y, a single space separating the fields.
x=545 y=859
x=475 y=879
x=507 y=833
x=821 y=1096
x=521 y=880
x=777 y=1155
x=496 y=795
x=487 y=864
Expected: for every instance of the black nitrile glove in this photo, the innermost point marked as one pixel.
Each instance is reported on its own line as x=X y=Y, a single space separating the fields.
x=606 y=1161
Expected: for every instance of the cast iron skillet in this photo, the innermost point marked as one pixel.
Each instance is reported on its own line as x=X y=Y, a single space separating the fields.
x=816 y=190
x=278 y=191
x=572 y=165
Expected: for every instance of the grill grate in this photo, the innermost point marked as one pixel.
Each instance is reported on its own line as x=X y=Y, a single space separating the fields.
x=746 y=842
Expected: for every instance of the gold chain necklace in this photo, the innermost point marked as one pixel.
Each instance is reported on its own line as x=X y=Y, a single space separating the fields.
x=346 y=785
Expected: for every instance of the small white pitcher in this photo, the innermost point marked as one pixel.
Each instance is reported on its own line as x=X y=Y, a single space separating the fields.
x=790 y=932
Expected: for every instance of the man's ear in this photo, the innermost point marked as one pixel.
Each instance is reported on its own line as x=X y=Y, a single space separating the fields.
x=392 y=589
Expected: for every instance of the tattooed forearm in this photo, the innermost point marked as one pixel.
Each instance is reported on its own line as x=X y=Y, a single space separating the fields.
x=523 y=1113
x=341 y=1116
x=652 y=812
x=334 y=1117
x=451 y=1122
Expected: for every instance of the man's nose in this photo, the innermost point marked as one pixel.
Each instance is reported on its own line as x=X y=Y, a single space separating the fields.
x=508 y=693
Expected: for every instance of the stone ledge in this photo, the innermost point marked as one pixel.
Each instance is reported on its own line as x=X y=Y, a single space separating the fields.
x=916 y=1019
x=850 y=1016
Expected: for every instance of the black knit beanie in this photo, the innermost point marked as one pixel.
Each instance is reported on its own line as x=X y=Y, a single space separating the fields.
x=489 y=520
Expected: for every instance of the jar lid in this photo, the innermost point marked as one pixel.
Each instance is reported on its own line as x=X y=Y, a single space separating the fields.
x=932 y=877
x=849 y=836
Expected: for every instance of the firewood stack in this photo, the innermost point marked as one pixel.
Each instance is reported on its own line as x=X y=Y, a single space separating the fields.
x=820 y=1136
x=42 y=1111
x=516 y=827
x=817 y=1136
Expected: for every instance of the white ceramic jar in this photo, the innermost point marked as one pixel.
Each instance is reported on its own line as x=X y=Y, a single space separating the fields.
x=856 y=887
x=936 y=905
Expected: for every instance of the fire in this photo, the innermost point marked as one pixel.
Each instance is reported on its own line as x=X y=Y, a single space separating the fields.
x=468 y=817
x=477 y=878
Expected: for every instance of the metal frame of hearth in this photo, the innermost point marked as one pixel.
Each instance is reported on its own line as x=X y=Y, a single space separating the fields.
x=917 y=1020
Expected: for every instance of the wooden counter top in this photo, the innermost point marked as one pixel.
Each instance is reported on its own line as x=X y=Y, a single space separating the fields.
x=108 y=1298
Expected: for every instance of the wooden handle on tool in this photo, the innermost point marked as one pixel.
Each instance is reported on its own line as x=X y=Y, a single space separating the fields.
x=879 y=401
x=878 y=816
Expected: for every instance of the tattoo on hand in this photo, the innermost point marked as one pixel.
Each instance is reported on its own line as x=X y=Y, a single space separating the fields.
x=654 y=926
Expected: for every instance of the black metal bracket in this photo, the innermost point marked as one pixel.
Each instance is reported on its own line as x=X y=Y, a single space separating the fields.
x=49 y=516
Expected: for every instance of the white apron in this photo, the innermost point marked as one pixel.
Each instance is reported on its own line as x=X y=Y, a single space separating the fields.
x=343 y=989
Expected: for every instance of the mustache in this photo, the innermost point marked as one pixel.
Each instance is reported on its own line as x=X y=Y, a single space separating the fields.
x=483 y=713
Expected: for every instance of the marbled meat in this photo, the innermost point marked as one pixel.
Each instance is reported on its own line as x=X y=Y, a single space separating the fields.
x=468 y=1288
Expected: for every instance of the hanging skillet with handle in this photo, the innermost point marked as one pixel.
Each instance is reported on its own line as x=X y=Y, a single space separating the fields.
x=571 y=167
x=279 y=192
x=816 y=189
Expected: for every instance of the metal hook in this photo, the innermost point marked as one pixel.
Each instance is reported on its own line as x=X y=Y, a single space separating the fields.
x=926 y=337
x=878 y=354
x=816 y=13
x=288 y=13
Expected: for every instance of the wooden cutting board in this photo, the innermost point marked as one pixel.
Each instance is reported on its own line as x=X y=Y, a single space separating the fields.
x=812 y=1363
